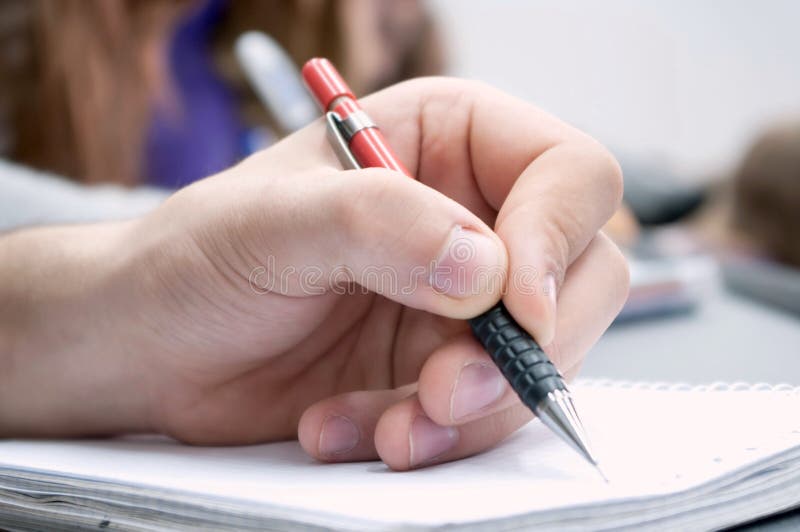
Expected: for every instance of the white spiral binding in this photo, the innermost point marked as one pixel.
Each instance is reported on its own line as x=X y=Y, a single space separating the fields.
x=718 y=386
x=792 y=434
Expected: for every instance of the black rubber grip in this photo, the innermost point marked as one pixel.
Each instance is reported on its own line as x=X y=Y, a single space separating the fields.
x=517 y=354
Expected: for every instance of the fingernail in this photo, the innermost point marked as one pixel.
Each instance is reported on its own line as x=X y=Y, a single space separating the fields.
x=428 y=441
x=468 y=261
x=478 y=386
x=339 y=435
x=548 y=333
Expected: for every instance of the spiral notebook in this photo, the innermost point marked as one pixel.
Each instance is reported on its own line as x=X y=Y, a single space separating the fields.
x=677 y=457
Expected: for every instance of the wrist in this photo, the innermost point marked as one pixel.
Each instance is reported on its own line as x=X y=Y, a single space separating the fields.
x=69 y=370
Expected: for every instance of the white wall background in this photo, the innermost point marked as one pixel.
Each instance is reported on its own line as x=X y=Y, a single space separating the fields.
x=682 y=82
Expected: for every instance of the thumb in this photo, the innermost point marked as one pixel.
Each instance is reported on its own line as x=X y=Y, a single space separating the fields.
x=391 y=235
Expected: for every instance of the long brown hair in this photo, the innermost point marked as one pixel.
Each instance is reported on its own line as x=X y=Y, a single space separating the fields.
x=77 y=98
x=82 y=96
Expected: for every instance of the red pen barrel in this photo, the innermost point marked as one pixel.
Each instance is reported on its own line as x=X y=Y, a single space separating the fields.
x=367 y=145
x=324 y=82
x=370 y=150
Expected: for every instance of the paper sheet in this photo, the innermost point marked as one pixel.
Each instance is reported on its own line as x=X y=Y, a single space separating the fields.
x=650 y=442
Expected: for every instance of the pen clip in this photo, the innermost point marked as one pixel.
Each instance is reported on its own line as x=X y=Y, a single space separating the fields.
x=333 y=124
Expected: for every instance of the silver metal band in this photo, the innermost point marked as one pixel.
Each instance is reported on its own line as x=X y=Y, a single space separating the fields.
x=354 y=123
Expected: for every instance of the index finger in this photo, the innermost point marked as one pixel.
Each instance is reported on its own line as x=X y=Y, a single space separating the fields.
x=546 y=187
x=454 y=133
x=551 y=186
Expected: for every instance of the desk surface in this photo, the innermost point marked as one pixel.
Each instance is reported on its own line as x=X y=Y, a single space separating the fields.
x=728 y=338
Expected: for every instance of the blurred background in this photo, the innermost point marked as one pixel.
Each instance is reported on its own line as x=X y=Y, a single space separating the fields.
x=684 y=84
x=107 y=107
x=700 y=102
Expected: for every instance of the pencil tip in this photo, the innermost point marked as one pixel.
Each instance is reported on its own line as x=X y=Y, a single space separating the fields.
x=602 y=474
x=558 y=412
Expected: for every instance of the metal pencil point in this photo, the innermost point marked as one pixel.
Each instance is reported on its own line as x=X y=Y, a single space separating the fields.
x=557 y=411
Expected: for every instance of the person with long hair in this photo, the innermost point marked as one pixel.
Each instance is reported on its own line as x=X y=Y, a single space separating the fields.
x=150 y=93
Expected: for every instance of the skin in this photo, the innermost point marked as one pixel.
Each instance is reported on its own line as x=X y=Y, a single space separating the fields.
x=156 y=324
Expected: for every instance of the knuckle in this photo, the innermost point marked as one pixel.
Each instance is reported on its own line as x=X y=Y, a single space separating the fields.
x=376 y=214
x=619 y=271
x=349 y=207
x=606 y=169
x=560 y=232
x=611 y=173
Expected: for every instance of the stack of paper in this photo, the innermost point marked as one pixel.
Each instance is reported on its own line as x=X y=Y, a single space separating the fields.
x=696 y=458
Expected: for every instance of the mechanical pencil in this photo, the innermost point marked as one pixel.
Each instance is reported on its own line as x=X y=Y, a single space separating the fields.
x=359 y=143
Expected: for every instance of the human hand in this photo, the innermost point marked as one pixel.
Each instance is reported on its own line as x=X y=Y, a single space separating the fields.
x=235 y=314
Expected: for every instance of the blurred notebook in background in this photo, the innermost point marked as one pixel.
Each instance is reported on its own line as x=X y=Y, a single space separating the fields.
x=680 y=458
x=668 y=285
x=770 y=283
x=662 y=286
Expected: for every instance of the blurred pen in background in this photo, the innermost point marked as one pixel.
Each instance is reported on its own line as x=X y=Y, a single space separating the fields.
x=276 y=80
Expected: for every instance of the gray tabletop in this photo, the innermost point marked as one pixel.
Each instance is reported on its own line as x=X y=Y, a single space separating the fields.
x=728 y=338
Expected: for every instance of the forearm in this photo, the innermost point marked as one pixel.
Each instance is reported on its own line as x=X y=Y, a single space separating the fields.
x=63 y=369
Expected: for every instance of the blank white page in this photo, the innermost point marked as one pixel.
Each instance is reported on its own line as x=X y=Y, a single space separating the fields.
x=650 y=442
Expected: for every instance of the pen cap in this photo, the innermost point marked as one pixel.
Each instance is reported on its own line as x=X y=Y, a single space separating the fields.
x=324 y=82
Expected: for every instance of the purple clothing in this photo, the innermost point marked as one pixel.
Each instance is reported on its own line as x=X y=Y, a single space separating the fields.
x=203 y=134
